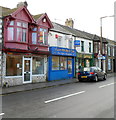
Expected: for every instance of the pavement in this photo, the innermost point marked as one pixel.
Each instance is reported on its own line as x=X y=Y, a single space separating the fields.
x=33 y=86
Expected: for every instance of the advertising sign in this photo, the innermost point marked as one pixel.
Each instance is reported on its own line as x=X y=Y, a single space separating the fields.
x=62 y=51
x=77 y=43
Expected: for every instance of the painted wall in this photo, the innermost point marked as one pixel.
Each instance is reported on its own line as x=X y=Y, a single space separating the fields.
x=86 y=46
x=52 y=40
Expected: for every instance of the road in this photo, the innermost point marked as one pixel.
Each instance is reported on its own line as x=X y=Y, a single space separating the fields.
x=76 y=100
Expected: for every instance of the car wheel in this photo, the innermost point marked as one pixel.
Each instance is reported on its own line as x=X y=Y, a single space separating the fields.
x=96 y=78
x=104 y=77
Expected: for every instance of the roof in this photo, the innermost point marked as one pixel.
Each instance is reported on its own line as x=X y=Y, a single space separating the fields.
x=58 y=28
x=7 y=11
x=75 y=32
x=36 y=17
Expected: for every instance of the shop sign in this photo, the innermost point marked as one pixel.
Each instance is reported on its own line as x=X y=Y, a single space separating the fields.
x=100 y=56
x=77 y=43
x=62 y=51
x=103 y=57
x=80 y=55
x=87 y=56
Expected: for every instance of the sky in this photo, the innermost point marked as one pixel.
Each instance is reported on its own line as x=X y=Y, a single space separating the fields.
x=85 y=13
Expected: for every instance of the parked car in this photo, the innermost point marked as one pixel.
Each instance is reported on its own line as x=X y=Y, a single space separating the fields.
x=91 y=74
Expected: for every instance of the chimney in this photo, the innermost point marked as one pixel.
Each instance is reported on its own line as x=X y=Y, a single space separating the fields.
x=69 y=22
x=20 y=4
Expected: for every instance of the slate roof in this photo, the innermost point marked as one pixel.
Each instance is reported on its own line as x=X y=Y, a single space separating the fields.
x=58 y=28
x=75 y=32
x=36 y=17
x=7 y=11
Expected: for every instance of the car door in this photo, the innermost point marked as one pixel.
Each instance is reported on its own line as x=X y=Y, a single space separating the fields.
x=100 y=73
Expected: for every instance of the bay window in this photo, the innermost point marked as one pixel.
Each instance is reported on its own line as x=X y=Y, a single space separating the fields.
x=22 y=31
x=10 y=31
x=43 y=37
x=19 y=29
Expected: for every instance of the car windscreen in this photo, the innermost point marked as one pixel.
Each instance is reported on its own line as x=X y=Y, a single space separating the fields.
x=87 y=69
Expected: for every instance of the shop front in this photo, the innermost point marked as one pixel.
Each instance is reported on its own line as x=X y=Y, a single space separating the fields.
x=61 y=63
x=21 y=68
x=84 y=60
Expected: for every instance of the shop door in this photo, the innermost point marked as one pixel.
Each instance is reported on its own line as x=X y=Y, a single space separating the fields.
x=27 y=70
x=70 y=68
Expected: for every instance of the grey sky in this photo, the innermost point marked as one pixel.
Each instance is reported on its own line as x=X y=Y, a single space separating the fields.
x=85 y=13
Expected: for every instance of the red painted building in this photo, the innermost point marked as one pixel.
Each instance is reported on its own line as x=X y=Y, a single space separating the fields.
x=25 y=46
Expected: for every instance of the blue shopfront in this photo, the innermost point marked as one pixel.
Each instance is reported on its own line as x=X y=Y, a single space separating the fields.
x=61 y=63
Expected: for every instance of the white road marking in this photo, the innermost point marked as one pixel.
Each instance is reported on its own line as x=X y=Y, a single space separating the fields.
x=2 y=114
x=106 y=85
x=59 y=98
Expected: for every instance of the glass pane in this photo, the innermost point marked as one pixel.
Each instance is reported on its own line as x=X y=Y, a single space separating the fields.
x=25 y=25
x=27 y=77
x=70 y=66
x=38 y=65
x=13 y=65
x=41 y=37
x=34 y=38
x=34 y=29
x=27 y=66
x=10 y=33
x=19 y=34
x=63 y=63
x=55 y=63
x=18 y=23
x=24 y=35
x=11 y=22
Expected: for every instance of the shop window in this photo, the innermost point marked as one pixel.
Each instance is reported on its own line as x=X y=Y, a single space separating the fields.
x=55 y=63
x=13 y=65
x=43 y=37
x=63 y=63
x=109 y=51
x=38 y=66
x=109 y=64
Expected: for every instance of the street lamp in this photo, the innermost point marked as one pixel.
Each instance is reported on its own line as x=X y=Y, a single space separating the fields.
x=101 y=36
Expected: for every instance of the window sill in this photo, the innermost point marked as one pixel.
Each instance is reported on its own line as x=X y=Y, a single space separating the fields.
x=16 y=42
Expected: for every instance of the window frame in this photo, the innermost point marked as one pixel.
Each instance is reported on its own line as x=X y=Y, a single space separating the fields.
x=82 y=46
x=90 y=46
x=15 y=29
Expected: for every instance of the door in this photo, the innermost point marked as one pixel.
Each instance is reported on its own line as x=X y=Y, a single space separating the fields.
x=70 y=67
x=27 y=70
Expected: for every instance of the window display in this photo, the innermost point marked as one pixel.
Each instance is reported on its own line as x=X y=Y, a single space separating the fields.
x=63 y=63
x=13 y=65
x=38 y=66
x=55 y=63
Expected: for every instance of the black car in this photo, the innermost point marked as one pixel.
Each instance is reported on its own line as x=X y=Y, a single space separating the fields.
x=91 y=74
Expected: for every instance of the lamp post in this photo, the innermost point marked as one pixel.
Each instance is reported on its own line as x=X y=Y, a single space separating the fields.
x=101 y=52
